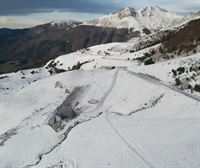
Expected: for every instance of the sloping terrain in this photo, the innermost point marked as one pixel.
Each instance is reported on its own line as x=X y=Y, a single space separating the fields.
x=180 y=42
x=105 y=110
x=121 y=104
x=34 y=47
x=185 y=37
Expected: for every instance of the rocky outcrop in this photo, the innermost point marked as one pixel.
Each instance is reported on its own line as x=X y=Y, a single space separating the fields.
x=66 y=111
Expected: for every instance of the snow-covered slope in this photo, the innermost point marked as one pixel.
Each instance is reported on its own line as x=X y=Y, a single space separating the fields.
x=158 y=18
x=189 y=17
x=65 y=24
x=152 y=18
x=105 y=110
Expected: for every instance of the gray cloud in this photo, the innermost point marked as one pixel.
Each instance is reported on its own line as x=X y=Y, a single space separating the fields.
x=18 y=7
x=13 y=7
x=27 y=13
x=177 y=6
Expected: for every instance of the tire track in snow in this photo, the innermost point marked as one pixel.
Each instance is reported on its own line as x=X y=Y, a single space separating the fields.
x=115 y=129
x=160 y=83
x=103 y=99
x=129 y=145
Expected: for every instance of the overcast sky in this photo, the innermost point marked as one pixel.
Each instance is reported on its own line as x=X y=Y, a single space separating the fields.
x=26 y=13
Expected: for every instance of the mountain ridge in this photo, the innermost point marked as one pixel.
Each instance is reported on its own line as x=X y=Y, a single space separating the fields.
x=152 y=17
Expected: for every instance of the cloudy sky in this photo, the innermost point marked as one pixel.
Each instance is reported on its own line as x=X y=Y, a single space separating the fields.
x=27 y=13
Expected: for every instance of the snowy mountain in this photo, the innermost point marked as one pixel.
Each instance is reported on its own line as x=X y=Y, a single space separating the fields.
x=189 y=17
x=116 y=105
x=51 y=40
x=109 y=111
x=152 y=18
x=65 y=24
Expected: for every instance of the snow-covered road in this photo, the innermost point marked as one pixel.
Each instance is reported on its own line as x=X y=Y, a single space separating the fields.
x=158 y=82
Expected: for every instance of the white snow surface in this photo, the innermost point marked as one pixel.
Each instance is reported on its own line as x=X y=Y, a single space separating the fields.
x=126 y=119
x=151 y=17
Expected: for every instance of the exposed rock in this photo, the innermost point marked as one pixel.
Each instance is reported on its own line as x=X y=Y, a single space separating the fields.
x=66 y=111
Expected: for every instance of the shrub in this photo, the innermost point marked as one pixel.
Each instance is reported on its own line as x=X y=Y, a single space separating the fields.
x=149 y=61
x=197 y=88
x=189 y=86
x=141 y=59
x=146 y=55
x=174 y=72
x=178 y=81
x=181 y=70
x=194 y=51
x=161 y=50
x=153 y=52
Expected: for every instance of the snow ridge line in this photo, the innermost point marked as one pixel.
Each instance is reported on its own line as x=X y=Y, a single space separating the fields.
x=149 y=79
x=7 y=135
x=151 y=105
x=134 y=150
x=66 y=133
x=13 y=131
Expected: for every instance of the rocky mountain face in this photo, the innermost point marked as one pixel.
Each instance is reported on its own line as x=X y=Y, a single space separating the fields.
x=189 y=35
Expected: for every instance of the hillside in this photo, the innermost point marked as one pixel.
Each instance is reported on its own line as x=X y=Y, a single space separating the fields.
x=108 y=111
x=34 y=47
x=133 y=102
x=29 y=48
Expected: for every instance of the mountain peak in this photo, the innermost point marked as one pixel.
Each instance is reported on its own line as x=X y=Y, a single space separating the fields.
x=149 y=11
x=152 y=8
x=152 y=18
x=127 y=11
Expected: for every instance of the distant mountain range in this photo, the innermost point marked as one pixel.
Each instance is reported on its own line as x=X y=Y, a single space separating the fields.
x=33 y=47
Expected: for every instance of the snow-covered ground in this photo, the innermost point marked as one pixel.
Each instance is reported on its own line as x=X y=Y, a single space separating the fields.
x=124 y=118
x=164 y=70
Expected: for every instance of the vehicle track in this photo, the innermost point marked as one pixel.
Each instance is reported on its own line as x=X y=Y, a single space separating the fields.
x=103 y=99
x=130 y=146
x=134 y=150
